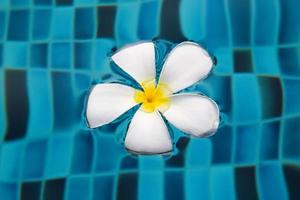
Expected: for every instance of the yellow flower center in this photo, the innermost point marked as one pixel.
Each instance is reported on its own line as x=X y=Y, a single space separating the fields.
x=153 y=96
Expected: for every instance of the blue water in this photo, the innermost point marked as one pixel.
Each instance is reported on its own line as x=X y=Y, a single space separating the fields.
x=53 y=51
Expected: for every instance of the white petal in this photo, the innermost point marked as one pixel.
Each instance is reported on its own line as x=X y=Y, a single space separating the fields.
x=194 y=114
x=186 y=64
x=137 y=60
x=107 y=102
x=148 y=134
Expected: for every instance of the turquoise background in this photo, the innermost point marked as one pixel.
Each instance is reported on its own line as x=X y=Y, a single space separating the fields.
x=52 y=51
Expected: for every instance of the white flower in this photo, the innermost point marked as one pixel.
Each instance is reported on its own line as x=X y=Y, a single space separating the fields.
x=147 y=133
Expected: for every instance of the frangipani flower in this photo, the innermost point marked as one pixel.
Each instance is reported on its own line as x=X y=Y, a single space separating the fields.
x=147 y=133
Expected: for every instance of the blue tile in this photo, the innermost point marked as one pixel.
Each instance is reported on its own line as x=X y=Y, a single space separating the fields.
x=41 y=24
x=2 y=24
x=126 y=23
x=2 y=107
x=43 y=2
x=40 y=119
x=61 y=55
x=240 y=18
x=83 y=55
x=289 y=60
x=246 y=148
x=18 y=3
x=291 y=98
x=245 y=86
x=85 y=23
x=102 y=48
x=83 y=153
x=18 y=25
x=108 y=154
x=1 y=55
x=62 y=25
x=11 y=158
x=219 y=176
x=4 y=3
x=34 y=160
x=291 y=138
x=15 y=54
x=59 y=156
x=150 y=185
x=64 y=2
x=216 y=24
x=150 y=163
x=39 y=55
x=266 y=29
x=148 y=19
x=103 y=187
x=224 y=60
x=201 y=189
x=266 y=60
x=84 y=2
x=9 y=191
x=82 y=82
x=79 y=188
x=199 y=153
x=289 y=29
x=176 y=189
x=193 y=9
x=269 y=145
x=222 y=145
x=271 y=174
x=63 y=103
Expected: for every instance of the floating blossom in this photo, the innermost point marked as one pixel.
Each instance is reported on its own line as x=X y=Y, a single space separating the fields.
x=194 y=114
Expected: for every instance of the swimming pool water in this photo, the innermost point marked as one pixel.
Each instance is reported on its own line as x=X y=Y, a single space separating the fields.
x=52 y=51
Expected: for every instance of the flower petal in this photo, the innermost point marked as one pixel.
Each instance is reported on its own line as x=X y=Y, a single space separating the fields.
x=194 y=114
x=148 y=134
x=186 y=64
x=137 y=60
x=107 y=102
